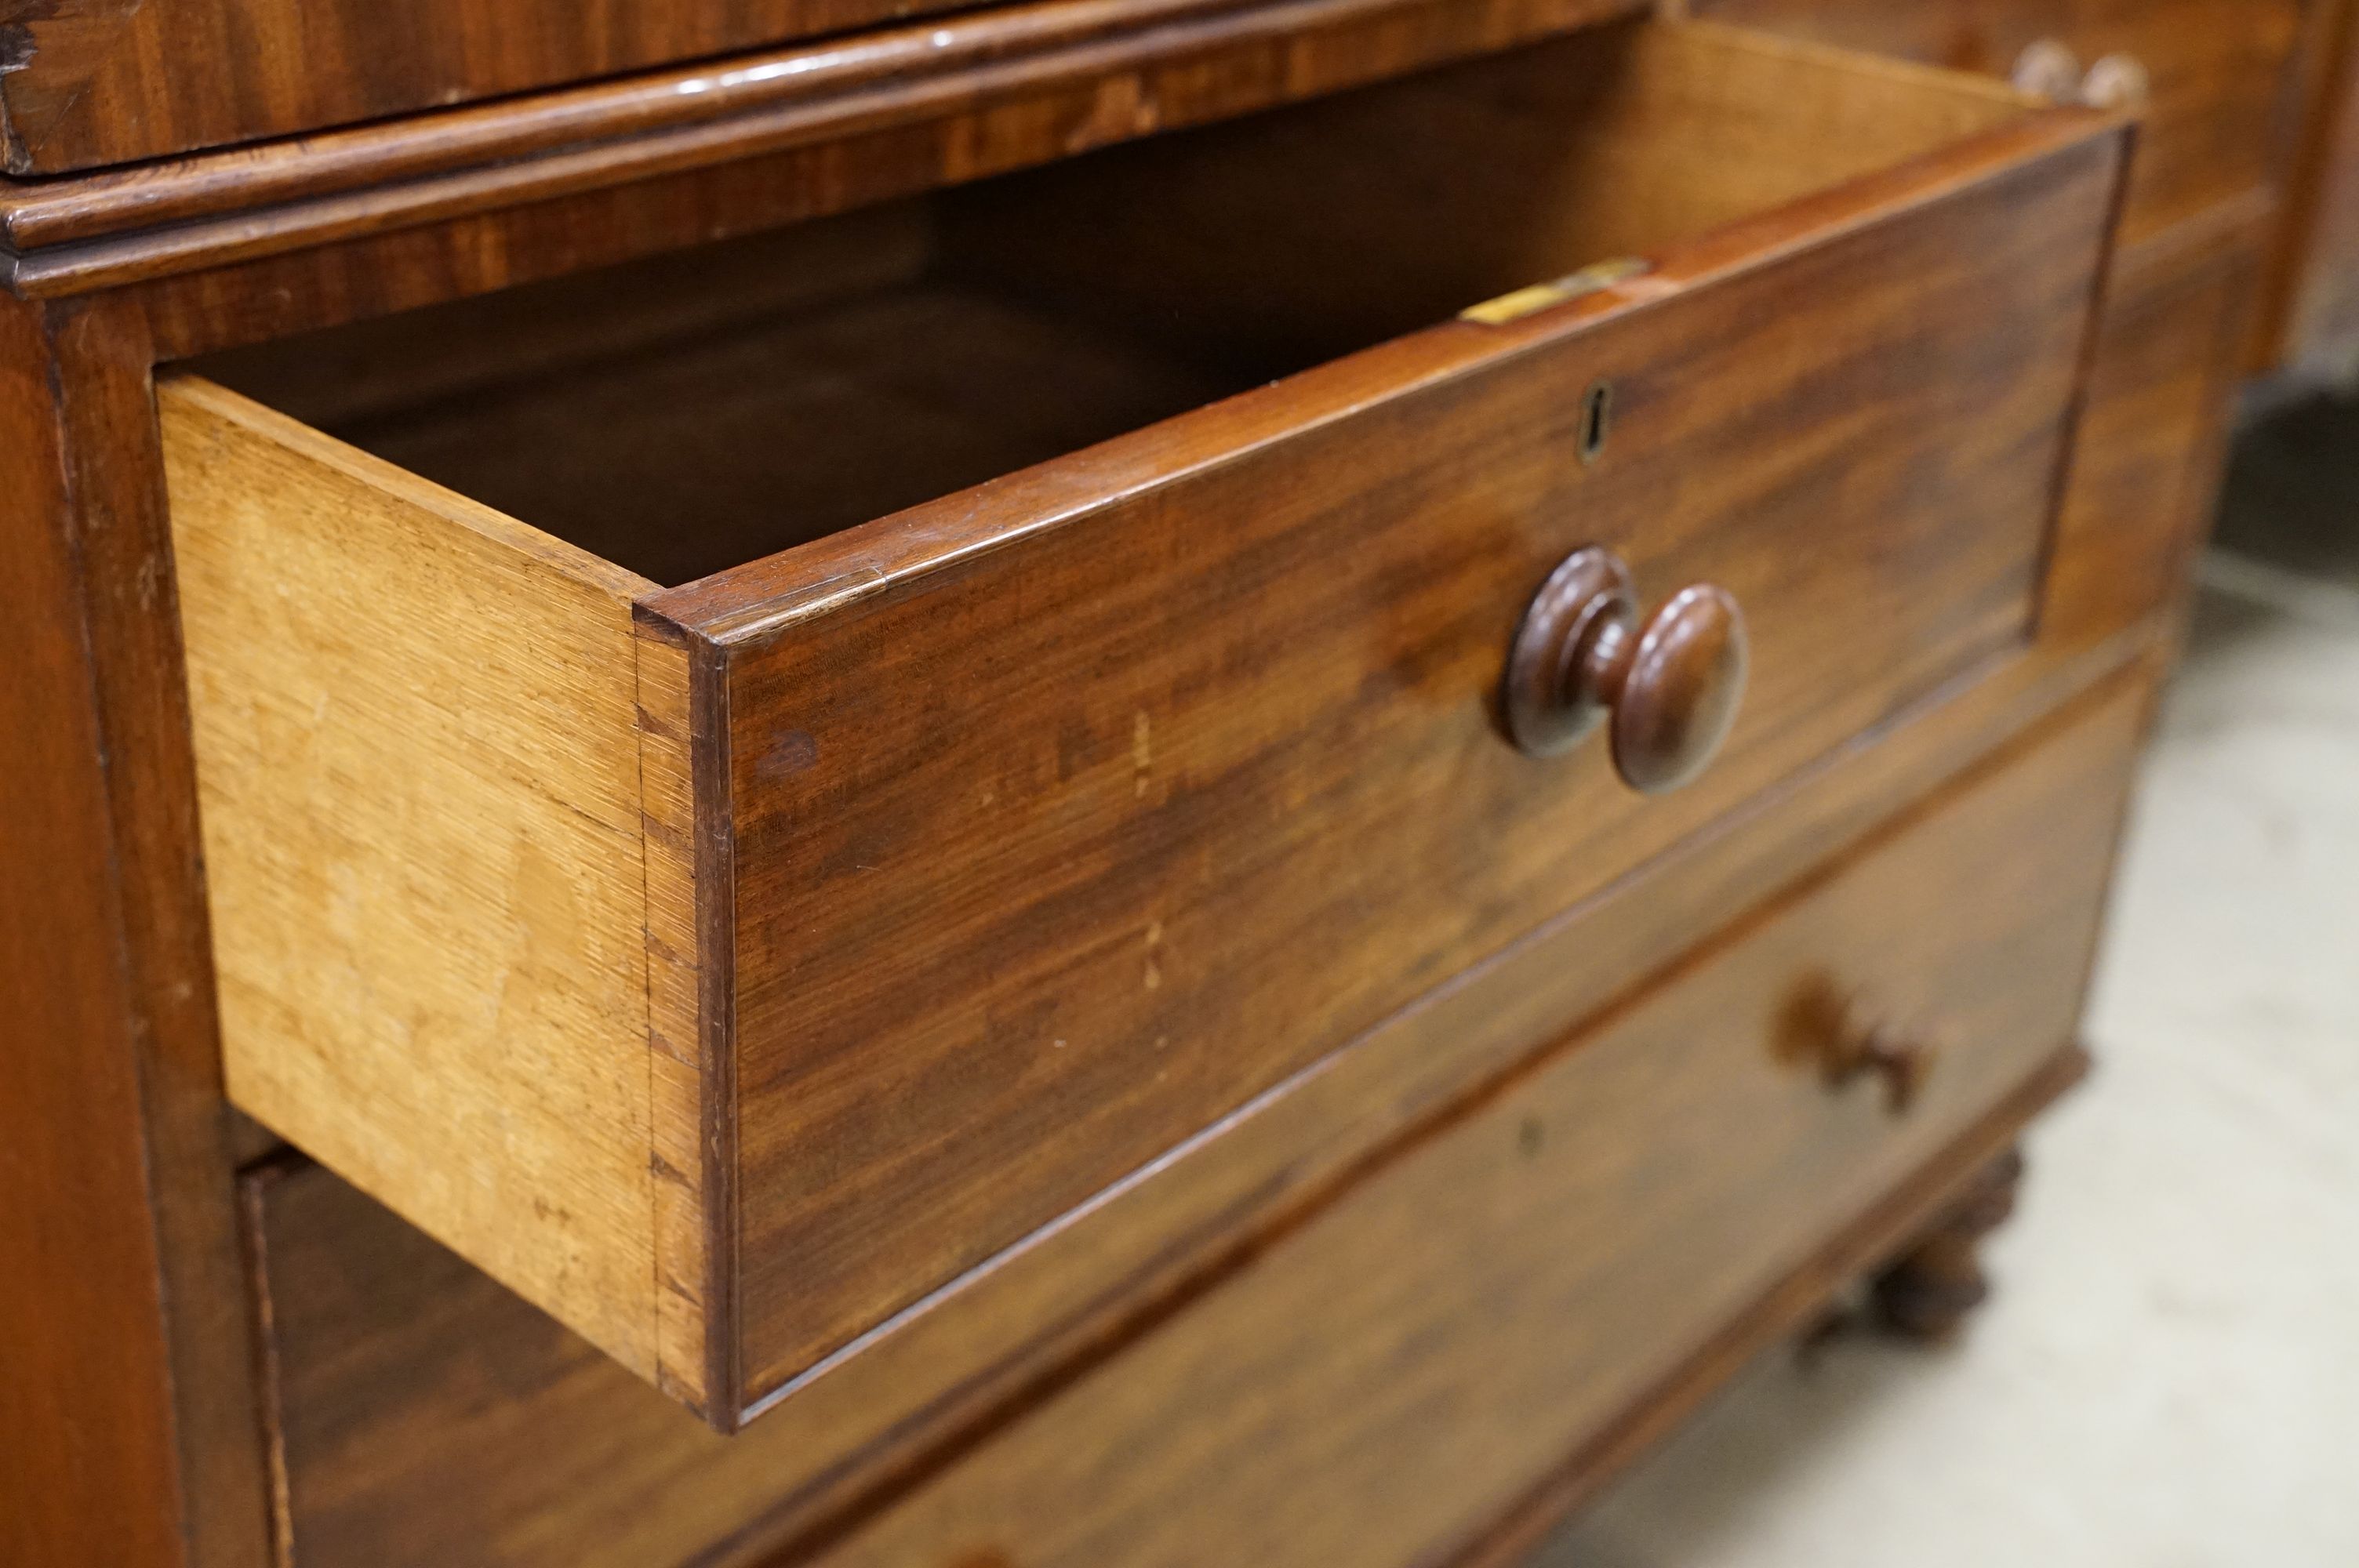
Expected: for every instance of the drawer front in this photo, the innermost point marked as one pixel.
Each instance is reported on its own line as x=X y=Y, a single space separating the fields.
x=141 y=81
x=2216 y=73
x=1046 y=858
x=1369 y=1390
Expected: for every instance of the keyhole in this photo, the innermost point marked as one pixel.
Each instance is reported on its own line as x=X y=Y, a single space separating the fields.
x=1596 y=420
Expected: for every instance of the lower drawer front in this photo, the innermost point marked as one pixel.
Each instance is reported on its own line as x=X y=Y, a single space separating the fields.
x=1379 y=1382
x=1383 y=1384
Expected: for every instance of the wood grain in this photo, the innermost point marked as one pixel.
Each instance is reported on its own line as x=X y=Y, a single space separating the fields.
x=1075 y=883
x=387 y=1341
x=940 y=1383
x=1372 y=1389
x=2221 y=70
x=81 y=1300
x=118 y=1149
x=2310 y=320
x=2145 y=470
x=1463 y=180
x=110 y=82
x=685 y=1101
x=419 y=758
x=35 y=215
x=127 y=1419
x=1791 y=1306
x=1193 y=666
x=762 y=142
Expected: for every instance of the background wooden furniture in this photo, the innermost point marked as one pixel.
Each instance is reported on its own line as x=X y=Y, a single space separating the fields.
x=2219 y=83
x=190 y=1377
x=2308 y=319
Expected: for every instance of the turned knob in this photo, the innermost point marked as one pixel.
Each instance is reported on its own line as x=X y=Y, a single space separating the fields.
x=2047 y=68
x=1863 y=1045
x=2117 y=82
x=1670 y=685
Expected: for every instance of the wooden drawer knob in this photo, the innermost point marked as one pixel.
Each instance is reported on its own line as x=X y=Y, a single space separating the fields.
x=2117 y=82
x=2047 y=68
x=1864 y=1046
x=1671 y=685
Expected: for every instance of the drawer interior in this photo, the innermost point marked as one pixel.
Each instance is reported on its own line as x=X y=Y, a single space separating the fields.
x=691 y=414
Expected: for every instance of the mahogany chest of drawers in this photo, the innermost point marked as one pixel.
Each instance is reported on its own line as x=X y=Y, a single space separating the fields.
x=1115 y=782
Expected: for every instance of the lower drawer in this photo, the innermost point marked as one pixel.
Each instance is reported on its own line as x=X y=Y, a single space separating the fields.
x=1383 y=1381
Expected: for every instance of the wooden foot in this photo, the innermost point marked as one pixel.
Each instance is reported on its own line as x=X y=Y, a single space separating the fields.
x=1927 y=1292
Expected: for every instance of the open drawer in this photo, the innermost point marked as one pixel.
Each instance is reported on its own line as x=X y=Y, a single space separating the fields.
x=903 y=759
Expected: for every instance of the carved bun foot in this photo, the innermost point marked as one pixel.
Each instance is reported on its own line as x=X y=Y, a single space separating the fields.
x=1928 y=1293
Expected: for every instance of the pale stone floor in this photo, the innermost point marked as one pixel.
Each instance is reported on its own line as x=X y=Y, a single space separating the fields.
x=2168 y=1376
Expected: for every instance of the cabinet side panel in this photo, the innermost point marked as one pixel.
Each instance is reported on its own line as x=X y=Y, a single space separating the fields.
x=417 y=758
